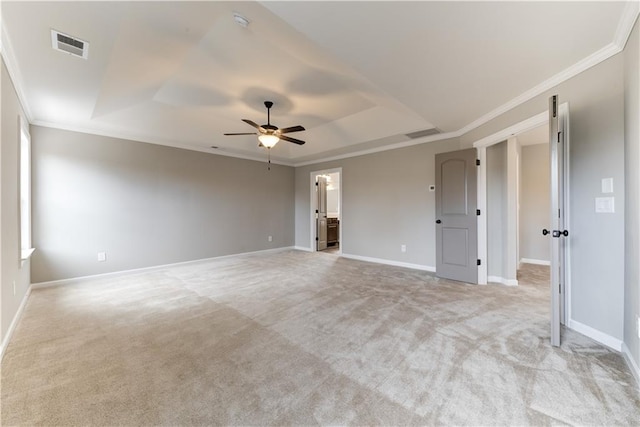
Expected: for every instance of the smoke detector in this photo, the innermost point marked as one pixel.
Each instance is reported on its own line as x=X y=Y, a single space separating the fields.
x=69 y=44
x=240 y=20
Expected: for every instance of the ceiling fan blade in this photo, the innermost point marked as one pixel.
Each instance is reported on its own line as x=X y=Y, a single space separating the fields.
x=245 y=133
x=292 y=129
x=254 y=124
x=295 y=141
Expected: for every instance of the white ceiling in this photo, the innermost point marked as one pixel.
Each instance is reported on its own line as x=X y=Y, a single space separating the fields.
x=357 y=75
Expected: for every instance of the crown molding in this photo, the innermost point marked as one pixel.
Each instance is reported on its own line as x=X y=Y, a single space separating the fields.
x=156 y=141
x=419 y=141
x=6 y=51
x=623 y=31
x=523 y=126
x=626 y=23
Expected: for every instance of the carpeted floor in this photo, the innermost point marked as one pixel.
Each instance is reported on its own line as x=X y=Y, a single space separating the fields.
x=304 y=338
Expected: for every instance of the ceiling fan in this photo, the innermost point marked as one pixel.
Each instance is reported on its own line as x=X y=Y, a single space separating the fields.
x=268 y=134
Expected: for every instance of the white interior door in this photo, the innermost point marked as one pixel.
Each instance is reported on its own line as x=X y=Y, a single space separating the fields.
x=558 y=130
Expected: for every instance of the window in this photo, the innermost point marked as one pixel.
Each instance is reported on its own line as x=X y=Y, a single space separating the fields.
x=25 y=192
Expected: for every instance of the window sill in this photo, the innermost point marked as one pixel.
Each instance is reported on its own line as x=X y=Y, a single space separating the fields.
x=25 y=254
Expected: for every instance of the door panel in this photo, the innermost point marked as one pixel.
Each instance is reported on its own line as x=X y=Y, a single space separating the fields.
x=456 y=221
x=321 y=218
x=559 y=235
x=454 y=179
x=455 y=246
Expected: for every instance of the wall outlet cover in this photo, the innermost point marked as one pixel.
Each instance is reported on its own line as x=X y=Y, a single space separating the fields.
x=102 y=256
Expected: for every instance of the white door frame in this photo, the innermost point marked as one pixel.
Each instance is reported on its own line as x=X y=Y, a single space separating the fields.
x=481 y=145
x=313 y=206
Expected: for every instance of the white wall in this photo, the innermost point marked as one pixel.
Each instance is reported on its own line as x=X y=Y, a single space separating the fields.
x=534 y=202
x=386 y=203
x=596 y=112
x=12 y=270
x=147 y=205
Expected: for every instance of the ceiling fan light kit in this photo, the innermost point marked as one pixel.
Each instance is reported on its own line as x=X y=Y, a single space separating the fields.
x=269 y=135
x=268 y=140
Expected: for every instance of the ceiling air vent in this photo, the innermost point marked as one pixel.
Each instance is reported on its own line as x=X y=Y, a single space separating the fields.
x=423 y=133
x=68 y=44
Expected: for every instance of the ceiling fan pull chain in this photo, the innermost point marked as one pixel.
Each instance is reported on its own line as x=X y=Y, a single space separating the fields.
x=269 y=155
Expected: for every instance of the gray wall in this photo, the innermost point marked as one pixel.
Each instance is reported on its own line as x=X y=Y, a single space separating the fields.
x=10 y=265
x=534 y=202
x=385 y=203
x=595 y=100
x=147 y=205
x=632 y=188
x=496 y=159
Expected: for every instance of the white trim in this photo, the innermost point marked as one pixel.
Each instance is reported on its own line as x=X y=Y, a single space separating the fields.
x=565 y=112
x=74 y=280
x=14 y=71
x=633 y=366
x=504 y=134
x=534 y=261
x=594 y=334
x=425 y=140
x=623 y=31
x=502 y=281
x=482 y=218
x=390 y=262
x=302 y=248
x=626 y=23
x=159 y=141
x=14 y=323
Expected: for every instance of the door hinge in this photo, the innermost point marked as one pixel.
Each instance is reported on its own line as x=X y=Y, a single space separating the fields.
x=478 y=212
x=559 y=137
x=316 y=239
x=555 y=100
x=479 y=262
x=477 y=162
x=559 y=288
x=316 y=183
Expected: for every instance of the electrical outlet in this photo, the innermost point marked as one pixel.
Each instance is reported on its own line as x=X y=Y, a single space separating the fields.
x=403 y=248
x=270 y=238
x=102 y=256
x=14 y=288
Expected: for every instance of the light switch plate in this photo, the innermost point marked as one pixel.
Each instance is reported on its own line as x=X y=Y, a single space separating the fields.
x=607 y=185
x=605 y=205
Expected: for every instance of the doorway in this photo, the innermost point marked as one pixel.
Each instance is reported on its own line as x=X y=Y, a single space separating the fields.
x=559 y=191
x=326 y=211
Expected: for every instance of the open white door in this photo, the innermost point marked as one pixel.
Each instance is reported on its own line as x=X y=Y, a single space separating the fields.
x=558 y=130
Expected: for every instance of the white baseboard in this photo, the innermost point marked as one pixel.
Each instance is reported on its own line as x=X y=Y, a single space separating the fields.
x=534 y=261
x=81 y=279
x=596 y=335
x=14 y=323
x=390 y=262
x=633 y=366
x=502 y=280
x=302 y=248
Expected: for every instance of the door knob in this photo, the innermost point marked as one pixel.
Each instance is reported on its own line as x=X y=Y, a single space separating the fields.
x=545 y=232
x=558 y=233
x=438 y=221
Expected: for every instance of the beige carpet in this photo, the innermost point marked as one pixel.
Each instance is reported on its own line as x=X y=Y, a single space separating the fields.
x=300 y=338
